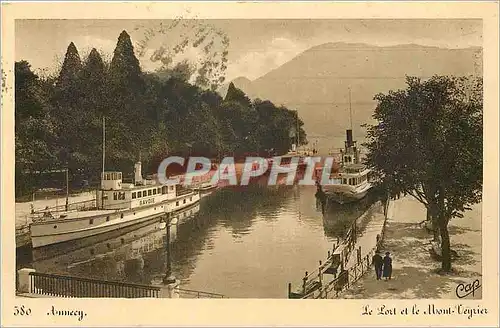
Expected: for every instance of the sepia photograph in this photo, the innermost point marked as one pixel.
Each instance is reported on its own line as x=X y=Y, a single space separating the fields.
x=191 y=157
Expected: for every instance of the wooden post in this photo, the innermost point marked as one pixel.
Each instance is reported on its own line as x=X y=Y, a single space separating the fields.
x=304 y=283
x=67 y=190
x=320 y=273
x=169 y=277
x=289 y=289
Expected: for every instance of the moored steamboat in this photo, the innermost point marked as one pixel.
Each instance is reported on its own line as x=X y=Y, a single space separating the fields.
x=117 y=205
x=352 y=181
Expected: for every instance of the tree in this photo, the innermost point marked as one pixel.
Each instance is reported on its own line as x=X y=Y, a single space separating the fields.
x=124 y=68
x=66 y=97
x=127 y=118
x=35 y=136
x=92 y=106
x=236 y=95
x=428 y=144
x=70 y=69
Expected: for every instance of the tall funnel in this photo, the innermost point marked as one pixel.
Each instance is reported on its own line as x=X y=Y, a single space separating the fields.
x=349 y=141
x=138 y=173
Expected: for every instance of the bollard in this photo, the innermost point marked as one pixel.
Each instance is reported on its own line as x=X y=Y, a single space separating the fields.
x=25 y=281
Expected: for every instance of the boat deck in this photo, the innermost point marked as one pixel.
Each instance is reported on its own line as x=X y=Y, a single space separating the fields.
x=70 y=215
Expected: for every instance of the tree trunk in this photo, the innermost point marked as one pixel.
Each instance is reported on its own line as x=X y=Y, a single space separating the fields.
x=445 y=244
x=432 y=217
x=443 y=230
x=435 y=228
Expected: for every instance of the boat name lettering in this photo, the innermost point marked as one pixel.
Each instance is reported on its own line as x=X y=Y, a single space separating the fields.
x=147 y=201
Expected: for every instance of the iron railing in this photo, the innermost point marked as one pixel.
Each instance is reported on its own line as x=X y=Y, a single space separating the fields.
x=347 y=278
x=188 y=293
x=66 y=286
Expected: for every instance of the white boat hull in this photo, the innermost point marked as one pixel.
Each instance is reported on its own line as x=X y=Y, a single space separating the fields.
x=53 y=232
x=343 y=195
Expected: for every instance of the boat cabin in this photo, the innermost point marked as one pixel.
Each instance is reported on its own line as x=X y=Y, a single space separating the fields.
x=114 y=194
x=352 y=172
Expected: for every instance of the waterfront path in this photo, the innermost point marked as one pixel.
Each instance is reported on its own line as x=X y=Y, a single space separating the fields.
x=414 y=271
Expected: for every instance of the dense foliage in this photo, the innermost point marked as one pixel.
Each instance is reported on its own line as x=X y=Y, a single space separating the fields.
x=148 y=115
x=429 y=144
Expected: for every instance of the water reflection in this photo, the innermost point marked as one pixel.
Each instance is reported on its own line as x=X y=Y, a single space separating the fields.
x=338 y=218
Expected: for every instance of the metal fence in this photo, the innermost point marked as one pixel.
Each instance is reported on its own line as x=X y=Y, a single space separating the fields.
x=188 y=293
x=65 y=286
x=347 y=278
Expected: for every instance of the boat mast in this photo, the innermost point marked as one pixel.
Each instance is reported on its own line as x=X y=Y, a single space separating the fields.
x=103 y=157
x=67 y=189
x=298 y=131
x=350 y=107
x=103 y=142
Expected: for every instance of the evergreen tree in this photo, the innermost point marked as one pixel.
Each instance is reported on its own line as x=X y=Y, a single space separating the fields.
x=66 y=98
x=235 y=94
x=127 y=114
x=70 y=69
x=125 y=70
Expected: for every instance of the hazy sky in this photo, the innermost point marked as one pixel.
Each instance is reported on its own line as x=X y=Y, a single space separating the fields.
x=256 y=46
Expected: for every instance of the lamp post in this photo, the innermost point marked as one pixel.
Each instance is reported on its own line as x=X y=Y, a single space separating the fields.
x=169 y=277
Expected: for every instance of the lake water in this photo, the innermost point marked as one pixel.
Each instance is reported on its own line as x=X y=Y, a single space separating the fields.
x=242 y=242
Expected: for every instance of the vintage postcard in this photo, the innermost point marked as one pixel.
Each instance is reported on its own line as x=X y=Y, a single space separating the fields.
x=250 y=164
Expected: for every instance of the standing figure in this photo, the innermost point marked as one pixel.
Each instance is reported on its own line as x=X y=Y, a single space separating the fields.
x=387 y=266
x=377 y=263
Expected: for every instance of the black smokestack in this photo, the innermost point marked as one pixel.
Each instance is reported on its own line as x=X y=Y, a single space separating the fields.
x=349 y=137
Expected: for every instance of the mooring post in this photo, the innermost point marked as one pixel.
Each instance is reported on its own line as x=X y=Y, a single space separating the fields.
x=320 y=273
x=304 y=283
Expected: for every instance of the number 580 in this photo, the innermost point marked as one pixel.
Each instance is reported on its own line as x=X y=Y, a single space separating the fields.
x=21 y=310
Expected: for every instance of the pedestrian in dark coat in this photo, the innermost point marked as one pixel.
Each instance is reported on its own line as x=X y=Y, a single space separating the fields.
x=377 y=263
x=387 y=266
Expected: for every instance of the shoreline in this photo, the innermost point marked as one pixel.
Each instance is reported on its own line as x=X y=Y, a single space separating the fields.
x=414 y=270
